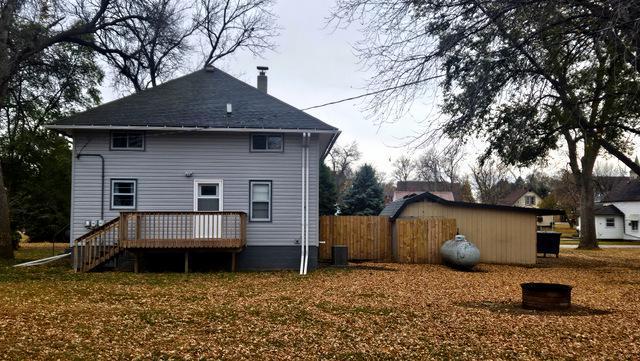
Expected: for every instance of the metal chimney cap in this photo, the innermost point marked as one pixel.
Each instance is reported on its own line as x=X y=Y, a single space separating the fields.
x=263 y=68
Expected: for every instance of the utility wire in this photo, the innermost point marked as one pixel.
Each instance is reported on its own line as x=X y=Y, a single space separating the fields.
x=374 y=92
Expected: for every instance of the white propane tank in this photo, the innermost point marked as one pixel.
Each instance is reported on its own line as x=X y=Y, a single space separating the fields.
x=460 y=253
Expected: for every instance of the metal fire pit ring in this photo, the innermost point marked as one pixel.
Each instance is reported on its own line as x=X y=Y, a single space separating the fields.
x=546 y=296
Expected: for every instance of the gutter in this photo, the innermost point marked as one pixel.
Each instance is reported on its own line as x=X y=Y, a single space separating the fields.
x=183 y=128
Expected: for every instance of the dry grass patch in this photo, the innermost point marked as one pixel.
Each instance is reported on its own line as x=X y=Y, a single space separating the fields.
x=369 y=311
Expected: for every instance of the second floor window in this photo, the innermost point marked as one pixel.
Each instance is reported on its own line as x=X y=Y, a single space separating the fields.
x=127 y=140
x=267 y=143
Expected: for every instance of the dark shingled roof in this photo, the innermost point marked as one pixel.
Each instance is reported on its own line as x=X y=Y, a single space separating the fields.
x=198 y=99
x=610 y=210
x=625 y=191
x=511 y=198
x=394 y=209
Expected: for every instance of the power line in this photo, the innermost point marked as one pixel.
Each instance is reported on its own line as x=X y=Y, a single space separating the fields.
x=374 y=92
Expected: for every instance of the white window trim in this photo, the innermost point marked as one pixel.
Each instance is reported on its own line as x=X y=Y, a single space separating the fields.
x=266 y=150
x=111 y=147
x=606 y=222
x=532 y=198
x=220 y=196
x=251 y=183
x=135 y=192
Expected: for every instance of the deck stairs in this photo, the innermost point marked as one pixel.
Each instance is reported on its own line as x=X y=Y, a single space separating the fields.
x=97 y=247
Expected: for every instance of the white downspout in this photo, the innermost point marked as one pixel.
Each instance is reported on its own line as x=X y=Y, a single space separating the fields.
x=306 y=218
x=302 y=209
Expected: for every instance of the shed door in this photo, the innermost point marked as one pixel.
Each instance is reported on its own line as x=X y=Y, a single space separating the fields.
x=207 y=196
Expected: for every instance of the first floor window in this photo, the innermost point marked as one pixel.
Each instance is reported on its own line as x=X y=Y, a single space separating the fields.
x=634 y=225
x=123 y=193
x=611 y=222
x=260 y=202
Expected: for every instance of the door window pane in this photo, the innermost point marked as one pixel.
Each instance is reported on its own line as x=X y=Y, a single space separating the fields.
x=209 y=190
x=208 y=204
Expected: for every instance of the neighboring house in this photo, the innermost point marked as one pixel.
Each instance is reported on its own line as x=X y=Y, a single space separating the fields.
x=523 y=197
x=504 y=234
x=204 y=161
x=618 y=215
x=445 y=190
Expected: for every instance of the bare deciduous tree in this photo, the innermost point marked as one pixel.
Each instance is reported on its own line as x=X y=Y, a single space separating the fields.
x=487 y=177
x=342 y=159
x=440 y=165
x=147 y=52
x=403 y=168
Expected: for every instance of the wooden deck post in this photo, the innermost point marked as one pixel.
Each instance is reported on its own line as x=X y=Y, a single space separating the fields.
x=136 y=262
x=233 y=261
x=186 y=262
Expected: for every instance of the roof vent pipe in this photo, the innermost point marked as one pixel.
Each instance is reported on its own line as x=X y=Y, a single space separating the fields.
x=262 y=78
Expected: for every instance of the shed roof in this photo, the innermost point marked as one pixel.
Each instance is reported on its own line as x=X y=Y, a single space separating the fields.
x=394 y=209
x=197 y=100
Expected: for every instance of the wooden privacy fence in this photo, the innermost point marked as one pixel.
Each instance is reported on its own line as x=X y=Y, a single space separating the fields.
x=367 y=237
x=419 y=239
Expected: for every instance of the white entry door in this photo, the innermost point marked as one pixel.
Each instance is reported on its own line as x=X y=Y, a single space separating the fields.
x=207 y=196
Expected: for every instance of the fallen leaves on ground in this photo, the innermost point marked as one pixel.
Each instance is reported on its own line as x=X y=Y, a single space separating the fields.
x=366 y=311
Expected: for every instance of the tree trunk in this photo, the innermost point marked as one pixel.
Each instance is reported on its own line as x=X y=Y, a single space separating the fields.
x=6 y=246
x=587 y=218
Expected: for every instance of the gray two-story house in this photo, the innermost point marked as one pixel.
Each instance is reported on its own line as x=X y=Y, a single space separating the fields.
x=202 y=162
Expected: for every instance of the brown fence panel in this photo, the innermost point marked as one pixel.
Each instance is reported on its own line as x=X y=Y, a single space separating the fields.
x=419 y=239
x=367 y=237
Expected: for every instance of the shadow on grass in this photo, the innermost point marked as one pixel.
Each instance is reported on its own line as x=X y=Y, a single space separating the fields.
x=515 y=308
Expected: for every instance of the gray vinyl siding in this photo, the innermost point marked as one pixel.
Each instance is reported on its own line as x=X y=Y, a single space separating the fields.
x=162 y=185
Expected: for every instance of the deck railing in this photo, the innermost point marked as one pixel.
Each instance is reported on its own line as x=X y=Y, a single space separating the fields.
x=96 y=246
x=182 y=229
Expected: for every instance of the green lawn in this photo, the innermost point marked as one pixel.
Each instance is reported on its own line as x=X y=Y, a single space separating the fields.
x=369 y=311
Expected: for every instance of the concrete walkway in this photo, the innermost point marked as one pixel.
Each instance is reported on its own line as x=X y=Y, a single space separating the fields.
x=604 y=246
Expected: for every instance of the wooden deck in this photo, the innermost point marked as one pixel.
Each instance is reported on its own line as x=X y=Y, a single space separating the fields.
x=182 y=229
x=139 y=231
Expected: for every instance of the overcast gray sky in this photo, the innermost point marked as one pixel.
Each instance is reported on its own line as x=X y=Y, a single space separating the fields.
x=314 y=65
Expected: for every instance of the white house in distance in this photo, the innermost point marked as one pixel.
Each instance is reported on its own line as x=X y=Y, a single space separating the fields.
x=618 y=215
x=527 y=198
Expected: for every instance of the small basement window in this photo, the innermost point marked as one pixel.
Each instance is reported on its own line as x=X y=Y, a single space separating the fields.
x=611 y=222
x=127 y=140
x=123 y=193
x=267 y=142
x=634 y=225
x=260 y=202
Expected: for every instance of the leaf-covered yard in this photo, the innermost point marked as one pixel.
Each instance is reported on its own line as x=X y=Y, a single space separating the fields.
x=370 y=311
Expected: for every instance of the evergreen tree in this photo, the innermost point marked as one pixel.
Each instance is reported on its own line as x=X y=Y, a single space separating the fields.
x=465 y=190
x=328 y=192
x=365 y=197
